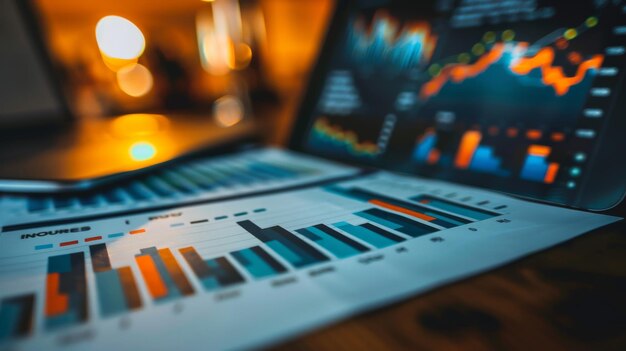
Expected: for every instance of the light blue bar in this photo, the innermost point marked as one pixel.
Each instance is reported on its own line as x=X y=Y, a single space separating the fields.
x=423 y=149
x=177 y=225
x=115 y=235
x=535 y=168
x=43 y=247
x=365 y=234
x=110 y=293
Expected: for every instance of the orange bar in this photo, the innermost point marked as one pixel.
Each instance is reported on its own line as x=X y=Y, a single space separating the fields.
x=493 y=131
x=433 y=156
x=56 y=303
x=533 y=134
x=511 y=132
x=539 y=150
x=93 y=238
x=138 y=231
x=469 y=143
x=556 y=136
x=402 y=210
x=151 y=275
x=68 y=243
x=553 y=168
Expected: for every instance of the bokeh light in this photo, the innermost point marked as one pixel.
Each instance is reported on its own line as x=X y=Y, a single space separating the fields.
x=228 y=111
x=119 y=38
x=135 y=80
x=142 y=151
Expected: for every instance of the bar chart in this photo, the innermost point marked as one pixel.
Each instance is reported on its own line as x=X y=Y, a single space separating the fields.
x=163 y=276
x=66 y=291
x=414 y=210
x=258 y=262
x=124 y=269
x=16 y=316
x=213 y=273
x=340 y=245
x=537 y=168
x=193 y=180
x=463 y=210
x=293 y=249
x=117 y=288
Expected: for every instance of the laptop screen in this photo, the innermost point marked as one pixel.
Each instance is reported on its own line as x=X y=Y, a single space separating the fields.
x=509 y=95
x=27 y=92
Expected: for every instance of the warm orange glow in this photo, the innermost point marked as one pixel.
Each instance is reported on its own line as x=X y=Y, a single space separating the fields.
x=469 y=143
x=240 y=56
x=115 y=64
x=460 y=72
x=213 y=44
x=228 y=111
x=135 y=80
x=554 y=75
x=138 y=124
x=119 y=38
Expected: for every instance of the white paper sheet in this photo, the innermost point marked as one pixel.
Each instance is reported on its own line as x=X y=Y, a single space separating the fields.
x=252 y=271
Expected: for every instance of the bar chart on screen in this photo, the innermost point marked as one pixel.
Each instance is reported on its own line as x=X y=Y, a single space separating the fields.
x=285 y=248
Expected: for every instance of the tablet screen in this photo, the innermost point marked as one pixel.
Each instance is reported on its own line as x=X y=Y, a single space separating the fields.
x=509 y=95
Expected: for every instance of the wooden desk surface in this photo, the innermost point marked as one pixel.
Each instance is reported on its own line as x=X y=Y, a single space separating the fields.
x=570 y=297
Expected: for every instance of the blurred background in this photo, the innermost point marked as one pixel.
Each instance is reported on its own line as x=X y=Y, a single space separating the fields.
x=118 y=56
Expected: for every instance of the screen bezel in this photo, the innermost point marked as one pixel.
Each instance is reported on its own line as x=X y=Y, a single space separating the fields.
x=604 y=188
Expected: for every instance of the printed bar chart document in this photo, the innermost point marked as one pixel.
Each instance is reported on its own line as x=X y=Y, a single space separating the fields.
x=252 y=268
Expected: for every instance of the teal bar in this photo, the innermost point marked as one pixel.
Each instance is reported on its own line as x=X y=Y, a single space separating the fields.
x=455 y=208
x=210 y=283
x=115 y=235
x=43 y=247
x=381 y=221
x=366 y=235
x=110 y=293
x=9 y=320
x=285 y=252
x=254 y=264
x=338 y=248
